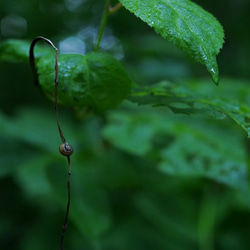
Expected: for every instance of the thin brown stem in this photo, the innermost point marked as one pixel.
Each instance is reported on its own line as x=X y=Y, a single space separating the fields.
x=32 y=58
x=65 y=225
x=112 y=10
x=36 y=80
x=56 y=99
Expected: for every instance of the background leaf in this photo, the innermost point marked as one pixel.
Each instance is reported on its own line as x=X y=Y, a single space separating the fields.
x=180 y=147
x=185 y=24
x=195 y=99
x=17 y=51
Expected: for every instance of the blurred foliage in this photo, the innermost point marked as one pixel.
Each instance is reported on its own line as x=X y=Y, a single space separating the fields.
x=142 y=177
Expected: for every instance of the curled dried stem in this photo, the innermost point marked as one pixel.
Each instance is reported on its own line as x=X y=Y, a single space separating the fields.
x=36 y=81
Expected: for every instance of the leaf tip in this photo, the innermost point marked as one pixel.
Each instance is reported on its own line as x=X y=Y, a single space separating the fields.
x=215 y=75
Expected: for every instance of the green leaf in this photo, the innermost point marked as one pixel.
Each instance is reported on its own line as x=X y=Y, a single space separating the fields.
x=183 y=100
x=179 y=146
x=185 y=24
x=96 y=80
x=17 y=51
x=202 y=154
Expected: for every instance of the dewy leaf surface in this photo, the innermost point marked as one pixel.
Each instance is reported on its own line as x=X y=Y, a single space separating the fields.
x=185 y=24
x=96 y=80
x=197 y=98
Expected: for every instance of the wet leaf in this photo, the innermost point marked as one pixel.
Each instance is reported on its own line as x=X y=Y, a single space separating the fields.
x=96 y=80
x=188 y=99
x=185 y=24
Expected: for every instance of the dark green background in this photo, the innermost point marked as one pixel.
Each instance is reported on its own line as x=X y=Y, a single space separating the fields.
x=120 y=200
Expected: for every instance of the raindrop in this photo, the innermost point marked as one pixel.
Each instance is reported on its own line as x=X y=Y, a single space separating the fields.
x=212 y=70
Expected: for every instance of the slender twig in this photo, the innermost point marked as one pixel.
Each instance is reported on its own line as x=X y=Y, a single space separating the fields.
x=56 y=101
x=103 y=24
x=64 y=228
x=32 y=58
x=66 y=148
x=36 y=80
x=112 y=10
x=108 y=9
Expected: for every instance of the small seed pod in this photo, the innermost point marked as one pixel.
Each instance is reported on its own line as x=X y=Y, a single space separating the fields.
x=65 y=149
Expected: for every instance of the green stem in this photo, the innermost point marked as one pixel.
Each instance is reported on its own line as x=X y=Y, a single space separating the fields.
x=206 y=221
x=103 y=24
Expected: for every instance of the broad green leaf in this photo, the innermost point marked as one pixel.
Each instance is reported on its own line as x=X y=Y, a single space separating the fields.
x=16 y=51
x=199 y=154
x=185 y=24
x=181 y=147
x=188 y=100
x=96 y=80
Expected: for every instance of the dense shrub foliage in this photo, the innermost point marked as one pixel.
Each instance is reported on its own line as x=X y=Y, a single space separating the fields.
x=160 y=152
